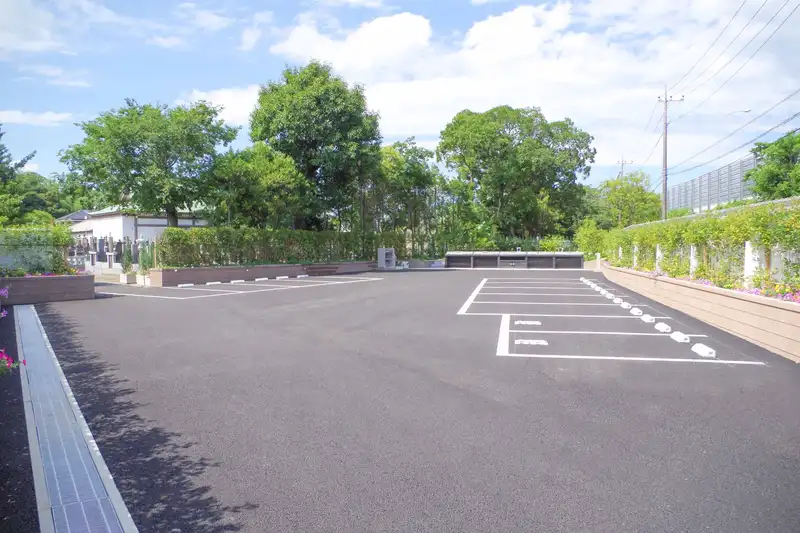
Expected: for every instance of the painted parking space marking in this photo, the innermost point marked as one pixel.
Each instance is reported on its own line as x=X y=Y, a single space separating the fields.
x=595 y=296
x=192 y=292
x=619 y=333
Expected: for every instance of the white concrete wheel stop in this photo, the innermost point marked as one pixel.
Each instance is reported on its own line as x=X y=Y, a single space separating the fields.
x=625 y=305
x=663 y=328
x=636 y=311
x=618 y=300
x=677 y=336
x=704 y=351
x=648 y=319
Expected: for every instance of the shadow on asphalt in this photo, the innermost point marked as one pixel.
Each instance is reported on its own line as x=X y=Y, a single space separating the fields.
x=153 y=472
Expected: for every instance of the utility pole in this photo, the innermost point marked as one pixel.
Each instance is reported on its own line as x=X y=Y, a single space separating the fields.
x=622 y=164
x=667 y=100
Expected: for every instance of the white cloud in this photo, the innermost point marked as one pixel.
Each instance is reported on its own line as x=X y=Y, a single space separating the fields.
x=171 y=41
x=31 y=167
x=48 y=118
x=203 y=19
x=600 y=62
x=237 y=102
x=353 y=3
x=25 y=27
x=57 y=75
x=252 y=34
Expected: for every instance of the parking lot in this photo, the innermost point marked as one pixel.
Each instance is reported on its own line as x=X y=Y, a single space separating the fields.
x=463 y=401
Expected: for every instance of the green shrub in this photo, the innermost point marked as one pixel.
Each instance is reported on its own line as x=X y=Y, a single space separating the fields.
x=127 y=258
x=36 y=249
x=212 y=246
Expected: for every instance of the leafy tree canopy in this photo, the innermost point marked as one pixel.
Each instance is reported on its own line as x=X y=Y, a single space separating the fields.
x=324 y=125
x=152 y=157
x=778 y=173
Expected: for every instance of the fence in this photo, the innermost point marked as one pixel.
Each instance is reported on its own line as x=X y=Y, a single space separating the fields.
x=720 y=186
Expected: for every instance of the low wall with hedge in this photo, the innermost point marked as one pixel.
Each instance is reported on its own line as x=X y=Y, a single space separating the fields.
x=43 y=289
x=767 y=322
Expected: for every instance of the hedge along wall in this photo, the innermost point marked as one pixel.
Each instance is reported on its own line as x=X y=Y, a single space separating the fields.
x=217 y=246
x=34 y=250
x=753 y=246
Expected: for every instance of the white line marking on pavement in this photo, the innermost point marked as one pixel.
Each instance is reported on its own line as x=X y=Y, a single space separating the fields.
x=286 y=288
x=142 y=295
x=584 y=295
x=520 y=282
x=536 y=278
x=531 y=342
x=623 y=333
x=502 y=338
x=187 y=289
x=548 y=303
x=185 y=285
x=527 y=323
x=621 y=358
x=550 y=287
x=565 y=316
x=471 y=298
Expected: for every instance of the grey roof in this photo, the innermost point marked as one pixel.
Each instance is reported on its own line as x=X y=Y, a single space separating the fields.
x=77 y=216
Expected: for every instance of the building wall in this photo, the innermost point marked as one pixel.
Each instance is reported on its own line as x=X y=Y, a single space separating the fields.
x=121 y=226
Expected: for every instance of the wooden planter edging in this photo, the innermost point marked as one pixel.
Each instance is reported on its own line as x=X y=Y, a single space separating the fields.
x=172 y=277
x=770 y=323
x=43 y=289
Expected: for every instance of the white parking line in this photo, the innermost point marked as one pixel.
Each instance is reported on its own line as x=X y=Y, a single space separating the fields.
x=141 y=295
x=642 y=359
x=472 y=297
x=553 y=287
x=566 y=316
x=584 y=295
x=538 y=331
x=547 y=303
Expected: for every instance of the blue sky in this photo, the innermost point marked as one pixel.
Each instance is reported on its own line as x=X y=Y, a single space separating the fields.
x=600 y=62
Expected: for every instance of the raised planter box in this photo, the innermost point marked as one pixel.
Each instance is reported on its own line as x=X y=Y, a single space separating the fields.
x=128 y=279
x=172 y=277
x=548 y=260
x=771 y=324
x=43 y=289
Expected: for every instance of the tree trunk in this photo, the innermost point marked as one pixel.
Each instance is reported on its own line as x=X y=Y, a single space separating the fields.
x=172 y=216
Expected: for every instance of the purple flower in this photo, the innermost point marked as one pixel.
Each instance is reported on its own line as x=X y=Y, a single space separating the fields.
x=3 y=313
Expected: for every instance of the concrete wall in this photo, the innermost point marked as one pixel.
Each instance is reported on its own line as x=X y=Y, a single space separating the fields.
x=772 y=324
x=171 y=277
x=42 y=289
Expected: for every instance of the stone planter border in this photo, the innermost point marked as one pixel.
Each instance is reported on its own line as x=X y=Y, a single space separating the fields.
x=43 y=289
x=172 y=277
x=770 y=323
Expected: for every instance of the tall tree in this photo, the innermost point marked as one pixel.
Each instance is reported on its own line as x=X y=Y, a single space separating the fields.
x=152 y=157
x=523 y=170
x=259 y=187
x=9 y=167
x=324 y=125
x=629 y=200
x=778 y=172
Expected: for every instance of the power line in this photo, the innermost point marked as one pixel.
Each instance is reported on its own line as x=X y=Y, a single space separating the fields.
x=736 y=37
x=753 y=38
x=658 y=141
x=782 y=123
x=734 y=132
x=707 y=98
x=709 y=47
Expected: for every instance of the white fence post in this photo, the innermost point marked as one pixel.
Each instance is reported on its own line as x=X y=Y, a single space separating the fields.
x=752 y=262
x=635 y=254
x=692 y=260
x=659 y=256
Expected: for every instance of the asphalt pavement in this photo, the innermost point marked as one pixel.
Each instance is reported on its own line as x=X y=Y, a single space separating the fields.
x=405 y=403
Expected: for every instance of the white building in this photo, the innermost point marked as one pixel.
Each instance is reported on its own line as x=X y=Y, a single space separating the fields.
x=118 y=223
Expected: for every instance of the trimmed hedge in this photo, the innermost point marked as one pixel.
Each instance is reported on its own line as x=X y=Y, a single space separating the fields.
x=219 y=246
x=34 y=250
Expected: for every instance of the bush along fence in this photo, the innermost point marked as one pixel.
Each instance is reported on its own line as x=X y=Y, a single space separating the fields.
x=223 y=246
x=754 y=249
x=32 y=251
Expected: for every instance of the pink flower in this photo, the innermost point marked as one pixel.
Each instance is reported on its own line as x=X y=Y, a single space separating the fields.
x=25 y=362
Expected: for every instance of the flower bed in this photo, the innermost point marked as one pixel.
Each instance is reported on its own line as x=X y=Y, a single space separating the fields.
x=771 y=323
